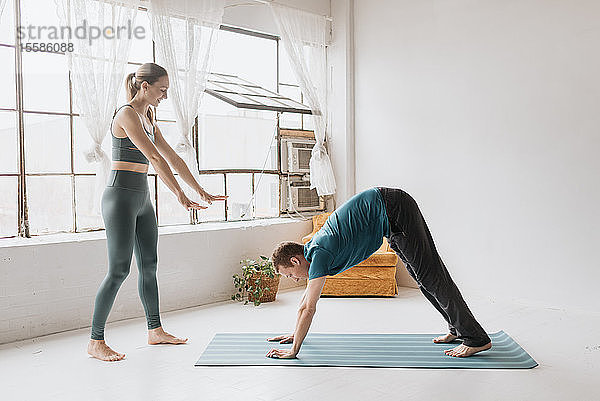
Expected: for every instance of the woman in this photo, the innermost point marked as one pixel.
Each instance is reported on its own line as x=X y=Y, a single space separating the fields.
x=128 y=214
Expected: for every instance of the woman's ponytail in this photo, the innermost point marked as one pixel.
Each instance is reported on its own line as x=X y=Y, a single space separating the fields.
x=131 y=86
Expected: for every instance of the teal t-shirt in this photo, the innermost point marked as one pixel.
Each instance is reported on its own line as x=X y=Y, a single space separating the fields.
x=350 y=235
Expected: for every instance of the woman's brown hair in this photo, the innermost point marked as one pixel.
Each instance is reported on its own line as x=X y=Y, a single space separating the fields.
x=148 y=72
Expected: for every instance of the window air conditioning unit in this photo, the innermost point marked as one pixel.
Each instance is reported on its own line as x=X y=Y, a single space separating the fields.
x=295 y=155
x=296 y=196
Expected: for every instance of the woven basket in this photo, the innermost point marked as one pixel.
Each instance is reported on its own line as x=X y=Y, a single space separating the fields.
x=272 y=283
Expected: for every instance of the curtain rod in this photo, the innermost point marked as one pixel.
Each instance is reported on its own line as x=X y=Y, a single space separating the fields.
x=327 y=17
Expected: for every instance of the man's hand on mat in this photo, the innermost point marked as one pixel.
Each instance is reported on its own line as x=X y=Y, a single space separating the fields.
x=284 y=339
x=281 y=354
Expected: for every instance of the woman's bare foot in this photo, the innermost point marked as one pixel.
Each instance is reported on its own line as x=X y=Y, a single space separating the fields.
x=463 y=351
x=448 y=338
x=99 y=350
x=159 y=336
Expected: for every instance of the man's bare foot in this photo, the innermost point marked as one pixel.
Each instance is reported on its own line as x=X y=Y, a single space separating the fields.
x=463 y=351
x=448 y=338
x=99 y=350
x=159 y=336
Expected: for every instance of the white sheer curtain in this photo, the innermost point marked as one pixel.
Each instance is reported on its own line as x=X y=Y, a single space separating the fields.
x=2 y=4
x=185 y=32
x=98 y=72
x=304 y=36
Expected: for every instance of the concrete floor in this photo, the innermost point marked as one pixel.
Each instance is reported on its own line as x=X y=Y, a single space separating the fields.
x=56 y=367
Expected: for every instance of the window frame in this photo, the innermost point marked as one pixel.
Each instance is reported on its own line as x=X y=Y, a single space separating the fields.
x=23 y=223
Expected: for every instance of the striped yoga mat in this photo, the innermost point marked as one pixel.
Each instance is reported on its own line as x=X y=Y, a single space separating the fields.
x=365 y=350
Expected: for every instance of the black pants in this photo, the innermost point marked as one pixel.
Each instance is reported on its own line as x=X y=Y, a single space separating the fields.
x=411 y=240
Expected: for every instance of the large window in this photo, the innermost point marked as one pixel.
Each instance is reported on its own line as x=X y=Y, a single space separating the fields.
x=45 y=182
x=9 y=139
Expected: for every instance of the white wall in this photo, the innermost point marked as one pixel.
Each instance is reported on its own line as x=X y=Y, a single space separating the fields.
x=487 y=113
x=340 y=58
x=48 y=288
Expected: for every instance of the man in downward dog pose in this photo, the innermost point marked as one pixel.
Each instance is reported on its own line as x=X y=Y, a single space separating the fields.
x=350 y=235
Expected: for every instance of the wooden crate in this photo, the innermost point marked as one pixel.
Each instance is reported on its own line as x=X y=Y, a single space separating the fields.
x=362 y=281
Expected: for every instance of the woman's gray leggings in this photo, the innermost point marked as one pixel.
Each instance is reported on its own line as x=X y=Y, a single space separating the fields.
x=130 y=226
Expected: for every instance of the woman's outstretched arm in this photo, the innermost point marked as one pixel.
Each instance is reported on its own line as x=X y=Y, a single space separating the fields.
x=181 y=168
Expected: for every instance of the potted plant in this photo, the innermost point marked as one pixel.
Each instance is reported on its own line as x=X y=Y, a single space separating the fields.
x=257 y=283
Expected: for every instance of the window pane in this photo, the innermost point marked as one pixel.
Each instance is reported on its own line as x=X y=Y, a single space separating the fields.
x=266 y=195
x=308 y=122
x=170 y=211
x=45 y=82
x=8 y=206
x=259 y=91
x=237 y=142
x=84 y=202
x=212 y=105
x=228 y=78
x=239 y=189
x=122 y=94
x=7 y=23
x=170 y=132
x=286 y=75
x=290 y=120
x=214 y=185
x=266 y=101
x=243 y=89
x=7 y=78
x=82 y=142
x=291 y=103
x=47 y=143
x=238 y=98
x=50 y=204
x=141 y=49
x=9 y=149
x=38 y=14
x=166 y=110
x=248 y=57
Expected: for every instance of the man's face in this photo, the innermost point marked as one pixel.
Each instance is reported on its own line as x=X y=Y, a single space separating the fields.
x=298 y=270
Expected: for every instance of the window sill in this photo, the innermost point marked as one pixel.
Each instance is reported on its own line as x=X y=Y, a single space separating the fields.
x=167 y=230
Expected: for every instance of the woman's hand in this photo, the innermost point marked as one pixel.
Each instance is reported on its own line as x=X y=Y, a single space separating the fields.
x=208 y=198
x=189 y=204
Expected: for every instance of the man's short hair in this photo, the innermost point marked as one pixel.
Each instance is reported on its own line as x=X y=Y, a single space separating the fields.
x=284 y=252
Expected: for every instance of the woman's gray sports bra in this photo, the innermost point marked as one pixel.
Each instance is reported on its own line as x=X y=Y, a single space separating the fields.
x=123 y=150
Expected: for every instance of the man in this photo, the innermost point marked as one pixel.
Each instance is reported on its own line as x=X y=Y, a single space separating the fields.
x=350 y=235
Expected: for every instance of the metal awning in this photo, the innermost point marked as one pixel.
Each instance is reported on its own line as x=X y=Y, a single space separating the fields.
x=247 y=95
